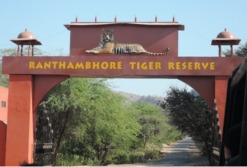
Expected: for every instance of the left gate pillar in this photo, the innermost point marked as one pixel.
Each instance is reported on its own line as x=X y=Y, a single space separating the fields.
x=20 y=129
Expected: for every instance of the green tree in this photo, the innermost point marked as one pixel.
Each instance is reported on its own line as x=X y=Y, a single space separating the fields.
x=241 y=51
x=5 y=52
x=61 y=105
x=155 y=129
x=190 y=113
x=90 y=122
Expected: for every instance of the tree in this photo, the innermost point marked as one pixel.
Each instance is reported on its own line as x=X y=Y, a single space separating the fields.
x=189 y=112
x=155 y=128
x=90 y=122
x=241 y=51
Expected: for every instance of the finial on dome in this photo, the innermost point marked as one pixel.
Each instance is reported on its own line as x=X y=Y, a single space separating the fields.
x=135 y=19
x=173 y=19
x=156 y=18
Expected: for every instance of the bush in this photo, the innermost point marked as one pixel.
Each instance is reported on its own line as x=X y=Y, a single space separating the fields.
x=136 y=157
x=152 y=154
x=121 y=158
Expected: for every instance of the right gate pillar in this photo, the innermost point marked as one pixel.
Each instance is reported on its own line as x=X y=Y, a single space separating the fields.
x=220 y=97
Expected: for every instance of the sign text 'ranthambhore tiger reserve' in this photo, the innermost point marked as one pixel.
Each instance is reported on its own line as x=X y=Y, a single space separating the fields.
x=134 y=65
x=126 y=66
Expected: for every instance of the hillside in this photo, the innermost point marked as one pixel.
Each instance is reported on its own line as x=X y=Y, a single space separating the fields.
x=139 y=99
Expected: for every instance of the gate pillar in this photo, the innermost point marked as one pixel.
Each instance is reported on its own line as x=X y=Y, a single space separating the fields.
x=220 y=96
x=20 y=130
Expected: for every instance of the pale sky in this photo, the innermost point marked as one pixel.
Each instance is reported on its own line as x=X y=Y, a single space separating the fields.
x=203 y=20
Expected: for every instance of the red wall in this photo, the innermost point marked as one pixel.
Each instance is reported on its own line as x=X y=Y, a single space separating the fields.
x=3 y=130
x=158 y=38
x=3 y=98
x=3 y=122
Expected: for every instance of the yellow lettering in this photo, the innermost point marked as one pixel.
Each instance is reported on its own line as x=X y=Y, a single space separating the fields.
x=171 y=66
x=197 y=66
x=54 y=64
x=62 y=65
x=96 y=65
x=138 y=65
x=157 y=65
x=31 y=65
x=190 y=66
x=104 y=65
x=204 y=65
x=88 y=65
x=47 y=65
x=119 y=65
x=212 y=66
x=151 y=65
x=70 y=66
x=39 y=65
x=113 y=65
x=79 y=65
x=144 y=66
x=132 y=65
x=184 y=66
x=177 y=65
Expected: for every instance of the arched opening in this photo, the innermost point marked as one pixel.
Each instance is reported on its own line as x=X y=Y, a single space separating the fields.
x=115 y=114
x=58 y=80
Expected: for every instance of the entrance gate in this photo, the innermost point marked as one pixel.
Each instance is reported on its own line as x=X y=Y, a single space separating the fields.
x=140 y=50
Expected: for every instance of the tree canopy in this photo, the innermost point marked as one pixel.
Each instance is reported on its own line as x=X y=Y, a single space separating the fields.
x=241 y=51
x=190 y=113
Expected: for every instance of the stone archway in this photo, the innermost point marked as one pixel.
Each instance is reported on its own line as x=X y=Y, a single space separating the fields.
x=32 y=77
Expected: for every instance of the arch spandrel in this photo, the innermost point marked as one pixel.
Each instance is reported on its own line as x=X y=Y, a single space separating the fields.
x=42 y=84
x=205 y=86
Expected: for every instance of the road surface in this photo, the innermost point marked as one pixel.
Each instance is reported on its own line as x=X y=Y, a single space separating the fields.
x=181 y=153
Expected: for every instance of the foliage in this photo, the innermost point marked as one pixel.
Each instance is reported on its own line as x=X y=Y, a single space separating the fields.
x=189 y=112
x=13 y=51
x=5 y=52
x=94 y=126
x=4 y=81
x=89 y=120
x=241 y=51
x=155 y=129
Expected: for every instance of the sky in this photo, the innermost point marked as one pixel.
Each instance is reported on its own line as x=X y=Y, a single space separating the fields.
x=203 y=20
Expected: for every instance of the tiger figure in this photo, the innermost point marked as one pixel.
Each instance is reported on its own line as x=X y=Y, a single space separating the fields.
x=108 y=46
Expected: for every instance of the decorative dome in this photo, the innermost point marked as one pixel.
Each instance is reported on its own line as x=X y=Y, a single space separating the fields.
x=26 y=38
x=26 y=35
x=225 y=38
x=225 y=34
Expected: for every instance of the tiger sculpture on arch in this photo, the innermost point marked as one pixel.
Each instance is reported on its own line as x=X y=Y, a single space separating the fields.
x=108 y=46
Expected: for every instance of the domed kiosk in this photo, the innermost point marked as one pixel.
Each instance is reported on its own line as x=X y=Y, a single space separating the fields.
x=225 y=38
x=25 y=38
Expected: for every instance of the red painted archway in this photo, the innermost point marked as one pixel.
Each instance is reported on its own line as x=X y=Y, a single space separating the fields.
x=32 y=77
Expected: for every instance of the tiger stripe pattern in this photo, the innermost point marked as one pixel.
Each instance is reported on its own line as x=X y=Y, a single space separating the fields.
x=108 y=46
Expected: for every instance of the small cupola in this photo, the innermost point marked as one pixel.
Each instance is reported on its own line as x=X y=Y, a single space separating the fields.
x=225 y=38
x=26 y=38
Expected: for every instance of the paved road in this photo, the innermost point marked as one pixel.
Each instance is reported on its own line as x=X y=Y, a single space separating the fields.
x=181 y=153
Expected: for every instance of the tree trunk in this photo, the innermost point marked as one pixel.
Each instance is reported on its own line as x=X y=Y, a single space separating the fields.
x=58 y=139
